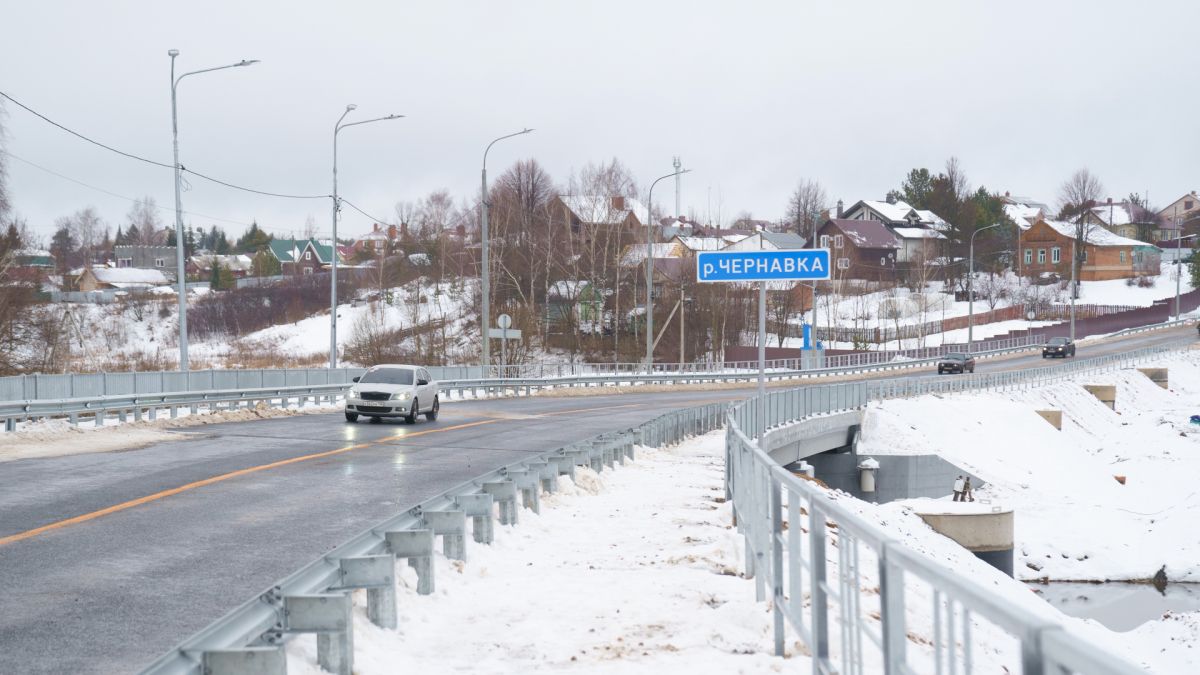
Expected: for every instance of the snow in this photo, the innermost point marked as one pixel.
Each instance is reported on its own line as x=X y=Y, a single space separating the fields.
x=1096 y=235
x=917 y=233
x=1024 y=216
x=638 y=570
x=632 y=570
x=598 y=209
x=128 y=275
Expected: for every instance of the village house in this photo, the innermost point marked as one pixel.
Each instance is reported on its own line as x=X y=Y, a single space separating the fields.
x=162 y=258
x=302 y=256
x=895 y=214
x=1183 y=213
x=200 y=265
x=118 y=278
x=1129 y=220
x=379 y=240
x=1046 y=250
x=860 y=249
x=583 y=214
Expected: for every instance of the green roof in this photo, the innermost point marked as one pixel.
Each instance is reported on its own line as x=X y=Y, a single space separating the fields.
x=285 y=250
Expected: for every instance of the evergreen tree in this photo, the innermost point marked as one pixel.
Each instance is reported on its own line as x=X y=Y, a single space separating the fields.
x=62 y=247
x=253 y=240
x=119 y=240
x=214 y=278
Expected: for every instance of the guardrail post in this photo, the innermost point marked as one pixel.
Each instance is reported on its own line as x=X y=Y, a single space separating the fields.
x=478 y=507
x=329 y=616
x=529 y=483
x=417 y=547
x=452 y=527
x=820 y=600
x=376 y=573
x=547 y=475
x=248 y=661
x=505 y=494
x=565 y=464
x=10 y=424
x=776 y=564
x=891 y=605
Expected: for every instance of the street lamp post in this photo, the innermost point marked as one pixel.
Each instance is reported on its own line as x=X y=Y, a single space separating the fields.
x=334 y=244
x=971 y=288
x=486 y=316
x=650 y=267
x=180 y=269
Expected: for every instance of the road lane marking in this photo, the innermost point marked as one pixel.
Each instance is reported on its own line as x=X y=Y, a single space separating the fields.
x=217 y=479
x=116 y=508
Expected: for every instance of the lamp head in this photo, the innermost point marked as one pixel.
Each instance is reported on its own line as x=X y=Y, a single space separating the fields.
x=350 y=107
x=172 y=53
x=527 y=131
x=251 y=62
x=393 y=117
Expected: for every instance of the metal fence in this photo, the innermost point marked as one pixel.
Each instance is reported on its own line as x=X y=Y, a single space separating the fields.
x=791 y=526
x=317 y=597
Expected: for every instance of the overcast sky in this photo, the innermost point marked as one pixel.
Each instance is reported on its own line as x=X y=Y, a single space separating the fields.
x=754 y=96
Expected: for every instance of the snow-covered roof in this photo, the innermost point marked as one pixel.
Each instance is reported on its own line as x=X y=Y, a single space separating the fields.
x=901 y=212
x=234 y=263
x=600 y=209
x=121 y=276
x=1023 y=215
x=917 y=233
x=703 y=243
x=1122 y=213
x=568 y=288
x=635 y=254
x=1096 y=235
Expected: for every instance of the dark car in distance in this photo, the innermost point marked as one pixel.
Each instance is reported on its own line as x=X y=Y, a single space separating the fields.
x=1059 y=346
x=956 y=362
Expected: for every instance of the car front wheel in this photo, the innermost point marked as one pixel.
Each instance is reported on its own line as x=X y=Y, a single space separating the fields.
x=411 y=418
x=432 y=415
x=351 y=417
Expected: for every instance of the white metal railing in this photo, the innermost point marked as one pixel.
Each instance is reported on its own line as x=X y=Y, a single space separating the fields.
x=790 y=525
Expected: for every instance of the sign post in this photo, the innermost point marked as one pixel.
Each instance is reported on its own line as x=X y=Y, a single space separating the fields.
x=504 y=321
x=762 y=266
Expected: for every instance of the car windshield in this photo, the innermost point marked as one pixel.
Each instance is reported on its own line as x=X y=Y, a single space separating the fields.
x=955 y=356
x=1058 y=341
x=388 y=376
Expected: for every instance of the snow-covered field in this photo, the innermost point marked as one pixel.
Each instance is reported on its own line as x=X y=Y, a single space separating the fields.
x=1074 y=519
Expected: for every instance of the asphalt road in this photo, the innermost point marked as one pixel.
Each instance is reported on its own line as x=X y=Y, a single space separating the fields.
x=109 y=559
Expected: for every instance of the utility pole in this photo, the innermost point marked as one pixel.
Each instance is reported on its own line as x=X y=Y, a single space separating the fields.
x=678 y=181
x=485 y=319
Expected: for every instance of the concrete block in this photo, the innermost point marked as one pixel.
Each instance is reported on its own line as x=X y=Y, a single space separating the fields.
x=1106 y=393
x=1054 y=417
x=1157 y=375
x=985 y=531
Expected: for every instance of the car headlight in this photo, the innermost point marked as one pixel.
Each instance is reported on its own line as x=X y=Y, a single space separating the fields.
x=400 y=396
x=353 y=393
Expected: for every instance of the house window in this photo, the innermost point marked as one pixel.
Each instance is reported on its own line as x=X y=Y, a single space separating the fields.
x=308 y=255
x=308 y=270
x=1085 y=255
x=838 y=240
x=824 y=241
x=159 y=262
x=1056 y=255
x=1041 y=256
x=1122 y=257
x=1028 y=256
x=843 y=263
x=1187 y=206
x=124 y=262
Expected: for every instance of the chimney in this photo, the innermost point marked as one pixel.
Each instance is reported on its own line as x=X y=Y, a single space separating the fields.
x=839 y=209
x=376 y=227
x=404 y=231
x=391 y=232
x=1007 y=193
x=618 y=203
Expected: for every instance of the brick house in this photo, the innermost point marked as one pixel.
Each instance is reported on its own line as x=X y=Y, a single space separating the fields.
x=1046 y=249
x=1183 y=212
x=585 y=213
x=379 y=240
x=1131 y=221
x=860 y=249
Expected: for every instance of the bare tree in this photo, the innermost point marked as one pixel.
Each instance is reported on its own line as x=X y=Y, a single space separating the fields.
x=87 y=229
x=805 y=207
x=1076 y=195
x=310 y=227
x=145 y=224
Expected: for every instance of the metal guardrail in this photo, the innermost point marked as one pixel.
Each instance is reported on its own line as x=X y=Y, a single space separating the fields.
x=331 y=389
x=316 y=598
x=790 y=523
x=83 y=385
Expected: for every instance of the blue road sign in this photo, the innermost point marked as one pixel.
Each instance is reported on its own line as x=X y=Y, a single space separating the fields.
x=796 y=264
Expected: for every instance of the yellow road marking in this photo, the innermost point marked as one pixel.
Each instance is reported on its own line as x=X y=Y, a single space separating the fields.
x=116 y=508
x=217 y=479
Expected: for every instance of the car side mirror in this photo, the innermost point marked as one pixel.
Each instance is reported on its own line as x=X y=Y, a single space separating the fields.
x=354 y=380
x=422 y=383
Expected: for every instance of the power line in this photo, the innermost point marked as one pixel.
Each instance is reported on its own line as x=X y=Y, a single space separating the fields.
x=351 y=205
x=182 y=168
x=164 y=209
